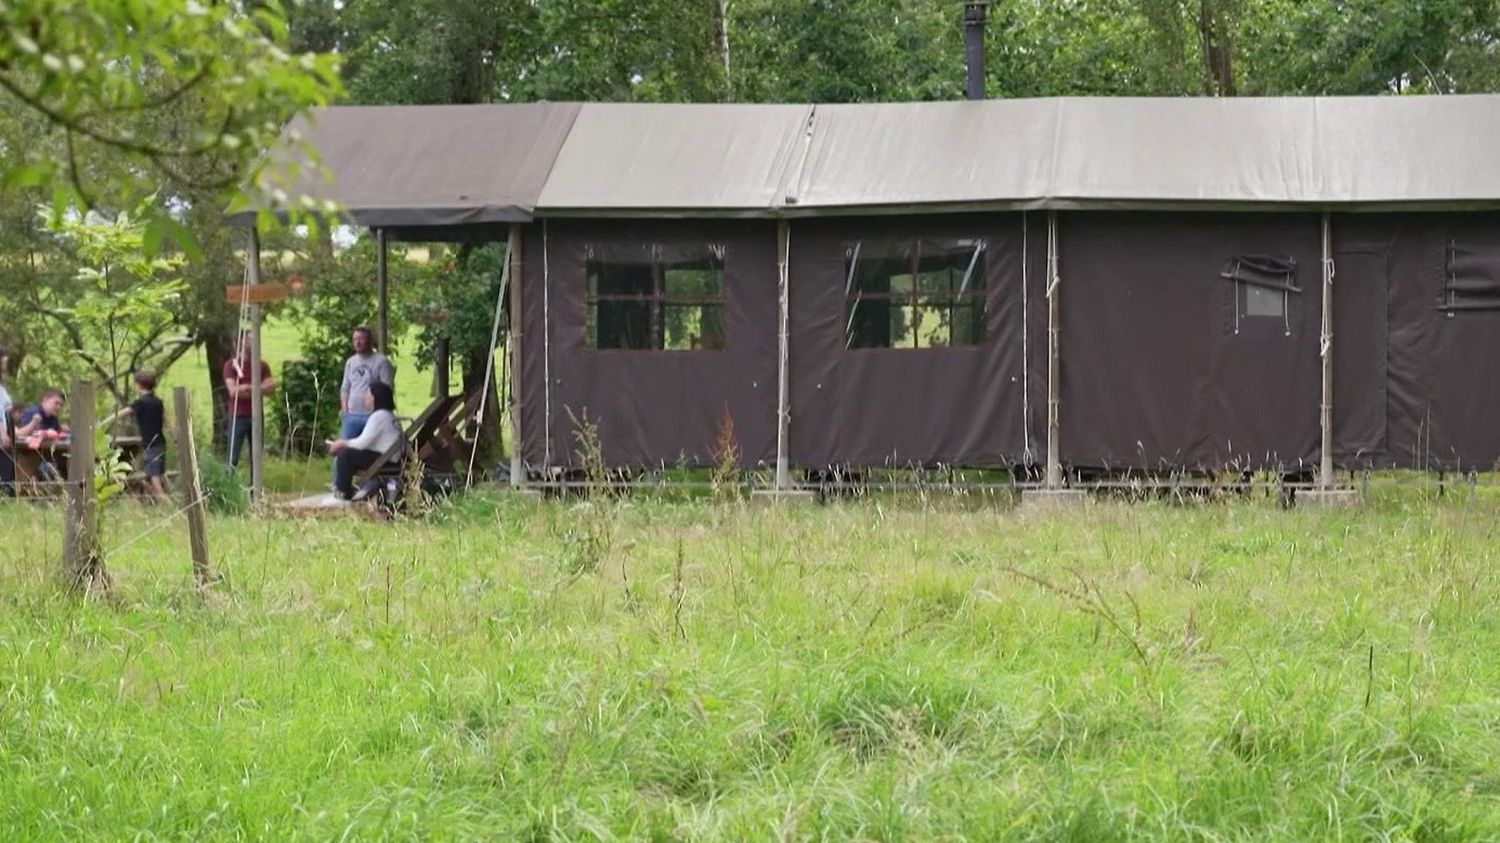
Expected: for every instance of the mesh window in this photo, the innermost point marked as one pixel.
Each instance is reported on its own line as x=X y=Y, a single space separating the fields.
x=914 y=293
x=654 y=298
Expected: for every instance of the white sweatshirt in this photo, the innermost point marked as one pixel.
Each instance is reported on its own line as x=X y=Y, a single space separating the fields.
x=380 y=433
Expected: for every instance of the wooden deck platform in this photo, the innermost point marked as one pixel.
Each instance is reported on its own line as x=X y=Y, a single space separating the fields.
x=325 y=505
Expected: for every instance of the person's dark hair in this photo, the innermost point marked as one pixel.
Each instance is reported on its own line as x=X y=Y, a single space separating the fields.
x=383 y=396
x=146 y=381
x=52 y=393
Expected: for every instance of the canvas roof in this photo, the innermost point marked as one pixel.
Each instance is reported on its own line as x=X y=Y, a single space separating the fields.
x=451 y=166
x=676 y=158
x=438 y=166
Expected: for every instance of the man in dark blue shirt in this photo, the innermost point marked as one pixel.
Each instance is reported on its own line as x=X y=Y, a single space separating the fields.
x=44 y=414
x=41 y=423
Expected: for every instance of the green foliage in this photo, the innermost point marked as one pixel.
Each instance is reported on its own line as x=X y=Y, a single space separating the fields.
x=492 y=50
x=341 y=296
x=120 y=309
x=826 y=51
x=458 y=302
x=111 y=469
x=307 y=413
x=176 y=89
x=1371 y=46
x=870 y=50
x=224 y=491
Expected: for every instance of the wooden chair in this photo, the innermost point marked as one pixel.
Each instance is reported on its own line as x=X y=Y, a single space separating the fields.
x=418 y=433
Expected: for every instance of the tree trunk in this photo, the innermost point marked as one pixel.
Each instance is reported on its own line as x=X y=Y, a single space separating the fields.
x=442 y=364
x=721 y=38
x=218 y=349
x=1216 y=41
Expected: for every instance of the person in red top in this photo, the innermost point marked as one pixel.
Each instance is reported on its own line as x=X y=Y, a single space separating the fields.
x=239 y=387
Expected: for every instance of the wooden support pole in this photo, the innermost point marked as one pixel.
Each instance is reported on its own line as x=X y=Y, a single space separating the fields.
x=191 y=485
x=83 y=564
x=517 y=281
x=442 y=365
x=1325 y=467
x=783 y=351
x=257 y=397
x=487 y=399
x=1054 y=283
x=382 y=294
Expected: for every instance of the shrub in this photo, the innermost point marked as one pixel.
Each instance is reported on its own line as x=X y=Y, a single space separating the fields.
x=307 y=412
x=223 y=491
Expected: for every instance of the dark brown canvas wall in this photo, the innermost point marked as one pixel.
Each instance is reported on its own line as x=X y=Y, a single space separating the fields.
x=652 y=408
x=1428 y=396
x=1163 y=364
x=907 y=406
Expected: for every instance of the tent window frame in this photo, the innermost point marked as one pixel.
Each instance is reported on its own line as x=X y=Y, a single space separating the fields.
x=649 y=307
x=1465 y=286
x=1263 y=288
x=911 y=259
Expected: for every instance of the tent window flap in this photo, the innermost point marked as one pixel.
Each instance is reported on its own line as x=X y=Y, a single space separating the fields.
x=1263 y=271
x=1473 y=279
x=1263 y=286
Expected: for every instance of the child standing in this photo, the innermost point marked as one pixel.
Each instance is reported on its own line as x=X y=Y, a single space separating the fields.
x=150 y=417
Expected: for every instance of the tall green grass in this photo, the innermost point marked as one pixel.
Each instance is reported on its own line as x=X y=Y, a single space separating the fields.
x=887 y=670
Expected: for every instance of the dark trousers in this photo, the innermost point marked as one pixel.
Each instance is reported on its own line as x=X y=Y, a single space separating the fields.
x=7 y=473
x=350 y=462
x=239 y=437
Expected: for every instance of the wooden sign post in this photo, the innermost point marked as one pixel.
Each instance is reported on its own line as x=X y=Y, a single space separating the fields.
x=257 y=293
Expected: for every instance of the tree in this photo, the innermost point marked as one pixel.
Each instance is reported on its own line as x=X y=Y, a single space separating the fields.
x=105 y=102
x=1371 y=47
x=101 y=74
x=834 y=51
x=119 y=314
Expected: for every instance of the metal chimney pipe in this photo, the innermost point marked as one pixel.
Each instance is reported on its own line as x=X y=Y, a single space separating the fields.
x=975 y=13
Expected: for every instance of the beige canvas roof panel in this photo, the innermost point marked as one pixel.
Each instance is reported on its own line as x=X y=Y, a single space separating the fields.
x=437 y=165
x=903 y=154
x=673 y=158
x=1185 y=150
x=1409 y=150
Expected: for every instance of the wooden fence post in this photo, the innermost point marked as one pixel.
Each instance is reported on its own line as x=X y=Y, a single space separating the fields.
x=83 y=563
x=192 y=487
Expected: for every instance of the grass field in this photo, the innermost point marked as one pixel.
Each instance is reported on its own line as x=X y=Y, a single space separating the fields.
x=887 y=670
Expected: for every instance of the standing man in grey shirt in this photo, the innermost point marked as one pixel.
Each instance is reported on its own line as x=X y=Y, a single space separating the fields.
x=366 y=366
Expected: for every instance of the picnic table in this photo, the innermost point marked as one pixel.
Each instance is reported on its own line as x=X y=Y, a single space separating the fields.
x=32 y=456
x=33 y=453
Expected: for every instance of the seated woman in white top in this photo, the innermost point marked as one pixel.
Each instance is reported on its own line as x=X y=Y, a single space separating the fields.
x=381 y=432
